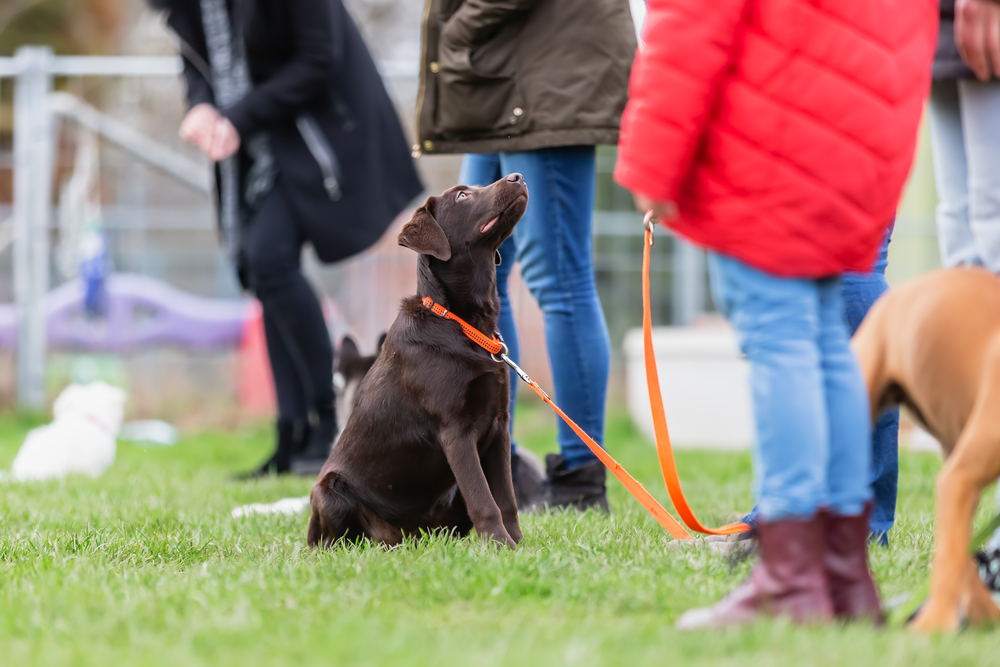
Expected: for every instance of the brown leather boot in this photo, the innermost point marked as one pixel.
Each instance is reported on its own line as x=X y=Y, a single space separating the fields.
x=852 y=590
x=787 y=581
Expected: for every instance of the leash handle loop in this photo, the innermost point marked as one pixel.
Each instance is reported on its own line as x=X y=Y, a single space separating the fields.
x=664 y=450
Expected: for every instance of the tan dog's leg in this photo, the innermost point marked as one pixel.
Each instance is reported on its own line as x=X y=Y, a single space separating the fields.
x=973 y=464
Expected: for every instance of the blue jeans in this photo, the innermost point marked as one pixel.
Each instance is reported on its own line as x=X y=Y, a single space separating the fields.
x=552 y=243
x=860 y=291
x=813 y=444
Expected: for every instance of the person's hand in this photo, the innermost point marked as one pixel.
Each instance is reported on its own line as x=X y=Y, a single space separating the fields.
x=225 y=142
x=198 y=126
x=663 y=211
x=977 y=35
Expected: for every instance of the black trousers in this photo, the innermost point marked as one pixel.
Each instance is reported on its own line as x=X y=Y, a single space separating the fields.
x=298 y=343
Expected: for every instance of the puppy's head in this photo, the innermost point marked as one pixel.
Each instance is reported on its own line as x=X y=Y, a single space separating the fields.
x=335 y=512
x=467 y=224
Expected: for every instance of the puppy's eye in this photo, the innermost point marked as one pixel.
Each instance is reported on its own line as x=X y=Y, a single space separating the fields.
x=461 y=195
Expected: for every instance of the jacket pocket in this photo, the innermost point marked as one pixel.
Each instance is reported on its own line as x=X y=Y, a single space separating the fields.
x=473 y=102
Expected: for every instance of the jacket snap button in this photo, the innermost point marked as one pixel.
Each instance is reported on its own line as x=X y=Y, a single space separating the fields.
x=518 y=111
x=513 y=120
x=428 y=145
x=435 y=67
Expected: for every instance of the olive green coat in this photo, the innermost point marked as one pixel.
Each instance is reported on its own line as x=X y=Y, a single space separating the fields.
x=518 y=75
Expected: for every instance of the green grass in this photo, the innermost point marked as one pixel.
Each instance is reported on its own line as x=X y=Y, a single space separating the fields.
x=145 y=566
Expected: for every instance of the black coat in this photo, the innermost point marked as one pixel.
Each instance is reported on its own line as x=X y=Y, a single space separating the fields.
x=309 y=64
x=948 y=64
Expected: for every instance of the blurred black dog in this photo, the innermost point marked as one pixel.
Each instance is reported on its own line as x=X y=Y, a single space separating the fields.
x=427 y=446
x=351 y=368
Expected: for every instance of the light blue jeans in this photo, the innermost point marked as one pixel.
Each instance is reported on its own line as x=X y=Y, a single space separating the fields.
x=552 y=243
x=813 y=444
x=965 y=140
x=860 y=291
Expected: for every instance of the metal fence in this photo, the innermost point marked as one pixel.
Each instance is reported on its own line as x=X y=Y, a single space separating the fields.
x=160 y=222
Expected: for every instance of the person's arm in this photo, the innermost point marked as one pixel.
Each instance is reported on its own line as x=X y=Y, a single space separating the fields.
x=977 y=35
x=682 y=57
x=301 y=79
x=476 y=21
x=191 y=44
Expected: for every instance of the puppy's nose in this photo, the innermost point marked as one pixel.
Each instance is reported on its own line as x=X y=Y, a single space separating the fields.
x=515 y=178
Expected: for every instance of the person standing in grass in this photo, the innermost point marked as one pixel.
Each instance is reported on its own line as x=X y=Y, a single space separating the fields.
x=860 y=291
x=779 y=135
x=285 y=99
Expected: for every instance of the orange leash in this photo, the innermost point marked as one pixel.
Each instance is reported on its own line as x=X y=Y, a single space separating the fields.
x=664 y=450
x=494 y=346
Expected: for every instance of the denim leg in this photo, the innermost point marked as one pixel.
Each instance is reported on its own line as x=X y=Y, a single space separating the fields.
x=861 y=290
x=482 y=170
x=979 y=104
x=554 y=249
x=777 y=321
x=955 y=240
x=847 y=408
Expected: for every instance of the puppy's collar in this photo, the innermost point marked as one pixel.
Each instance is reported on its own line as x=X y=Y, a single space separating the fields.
x=491 y=345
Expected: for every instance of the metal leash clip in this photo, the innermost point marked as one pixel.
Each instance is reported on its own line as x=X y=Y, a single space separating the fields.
x=649 y=223
x=505 y=359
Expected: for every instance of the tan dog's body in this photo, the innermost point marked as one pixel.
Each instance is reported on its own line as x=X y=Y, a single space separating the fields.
x=933 y=345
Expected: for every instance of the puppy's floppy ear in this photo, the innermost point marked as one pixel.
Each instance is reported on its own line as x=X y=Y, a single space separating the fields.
x=424 y=235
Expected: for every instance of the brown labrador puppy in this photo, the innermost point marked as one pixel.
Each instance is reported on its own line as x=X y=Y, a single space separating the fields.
x=427 y=446
x=933 y=345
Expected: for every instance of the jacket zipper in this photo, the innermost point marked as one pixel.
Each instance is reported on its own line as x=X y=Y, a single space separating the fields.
x=423 y=75
x=323 y=153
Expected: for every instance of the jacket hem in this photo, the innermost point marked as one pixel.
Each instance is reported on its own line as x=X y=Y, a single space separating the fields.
x=528 y=142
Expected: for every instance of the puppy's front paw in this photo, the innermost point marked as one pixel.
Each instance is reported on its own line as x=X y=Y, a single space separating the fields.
x=513 y=528
x=935 y=618
x=499 y=537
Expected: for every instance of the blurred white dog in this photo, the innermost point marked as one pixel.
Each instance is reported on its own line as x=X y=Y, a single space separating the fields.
x=80 y=439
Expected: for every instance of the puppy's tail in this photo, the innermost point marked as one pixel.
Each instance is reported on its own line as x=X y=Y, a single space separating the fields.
x=335 y=512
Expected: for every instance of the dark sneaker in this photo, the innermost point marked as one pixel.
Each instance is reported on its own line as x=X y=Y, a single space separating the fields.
x=581 y=488
x=529 y=479
x=290 y=435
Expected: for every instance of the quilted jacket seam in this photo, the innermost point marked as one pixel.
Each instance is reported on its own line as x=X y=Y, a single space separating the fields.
x=778 y=158
x=819 y=120
x=825 y=66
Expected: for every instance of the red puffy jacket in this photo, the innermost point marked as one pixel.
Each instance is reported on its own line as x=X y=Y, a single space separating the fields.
x=783 y=129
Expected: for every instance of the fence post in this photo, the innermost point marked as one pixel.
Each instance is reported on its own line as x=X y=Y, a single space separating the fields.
x=33 y=155
x=689 y=282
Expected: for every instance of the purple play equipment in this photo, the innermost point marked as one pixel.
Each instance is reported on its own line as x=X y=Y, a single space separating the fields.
x=141 y=312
